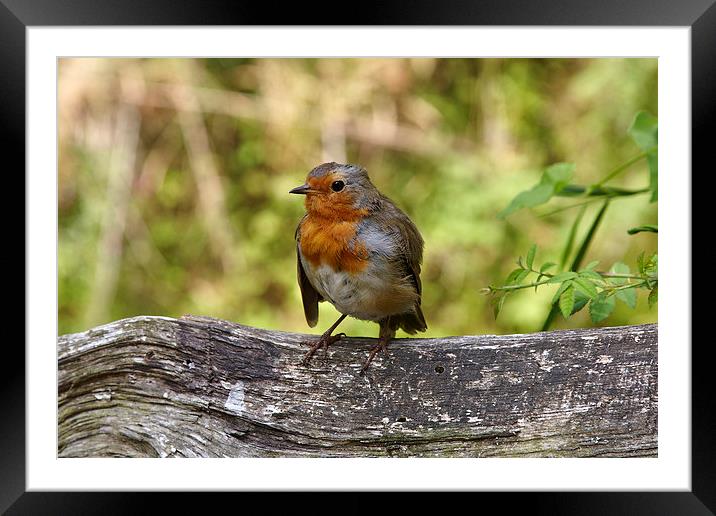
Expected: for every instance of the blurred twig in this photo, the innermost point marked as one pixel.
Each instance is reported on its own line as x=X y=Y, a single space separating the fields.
x=140 y=241
x=333 y=140
x=370 y=130
x=211 y=192
x=156 y=162
x=119 y=185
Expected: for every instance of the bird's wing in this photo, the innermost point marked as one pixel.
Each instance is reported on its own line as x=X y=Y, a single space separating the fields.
x=309 y=295
x=412 y=248
x=411 y=256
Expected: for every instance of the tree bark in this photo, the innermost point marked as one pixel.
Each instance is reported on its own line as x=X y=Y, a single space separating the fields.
x=201 y=387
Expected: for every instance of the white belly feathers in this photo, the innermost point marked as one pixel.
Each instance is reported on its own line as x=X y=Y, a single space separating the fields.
x=371 y=294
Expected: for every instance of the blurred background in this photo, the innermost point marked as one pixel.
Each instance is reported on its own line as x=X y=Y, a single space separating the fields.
x=174 y=178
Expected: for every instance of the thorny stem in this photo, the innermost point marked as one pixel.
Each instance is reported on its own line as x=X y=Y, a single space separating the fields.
x=603 y=274
x=517 y=287
x=625 y=276
x=645 y=281
x=616 y=288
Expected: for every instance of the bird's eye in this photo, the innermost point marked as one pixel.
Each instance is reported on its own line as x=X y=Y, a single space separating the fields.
x=337 y=186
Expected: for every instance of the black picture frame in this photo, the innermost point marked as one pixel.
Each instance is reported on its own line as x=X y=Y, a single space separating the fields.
x=17 y=15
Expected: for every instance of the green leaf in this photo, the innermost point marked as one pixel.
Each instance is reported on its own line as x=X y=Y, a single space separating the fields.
x=546 y=266
x=627 y=296
x=577 y=261
x=564 y=286
x=586 y=287
x=592 y=275
x=653 y=296
x=640 y=263
x=619 y=268
x=554 y=178
x=497 y=303
x=590 y=266
x=535 y=196
x=652 y=266
x=531 y=255
x=601 y=306
x=580 y=301
x=521 y=276
x=566 y=301
x=644 y=132
x=646 y=228
x=562 y=276
x=559 y=175
x=512 y=277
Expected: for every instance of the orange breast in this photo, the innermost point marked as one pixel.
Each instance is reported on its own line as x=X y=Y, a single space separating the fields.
x=328 y=242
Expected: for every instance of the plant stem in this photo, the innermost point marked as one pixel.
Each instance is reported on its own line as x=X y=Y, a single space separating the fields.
x=565 y=208
x=518 y=287
x=616 y=288
x=597 y=191
x=550 y=275
x=578 y=258
x=625 y=276
x=570 y=239
x=596 y=197
x=610 y=288
x=621 y=168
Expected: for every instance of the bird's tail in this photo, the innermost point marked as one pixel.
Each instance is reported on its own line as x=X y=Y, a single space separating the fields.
x=412 y=322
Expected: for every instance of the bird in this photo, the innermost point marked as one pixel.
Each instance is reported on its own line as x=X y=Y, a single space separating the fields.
x=357 y=250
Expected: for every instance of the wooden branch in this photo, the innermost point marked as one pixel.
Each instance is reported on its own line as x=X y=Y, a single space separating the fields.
x=155 y=386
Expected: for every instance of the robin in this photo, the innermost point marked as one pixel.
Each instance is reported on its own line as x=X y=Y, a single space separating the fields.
x=358 y=251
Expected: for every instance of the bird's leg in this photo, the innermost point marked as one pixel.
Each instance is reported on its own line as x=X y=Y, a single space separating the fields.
x=386 y=334
x=326 y=340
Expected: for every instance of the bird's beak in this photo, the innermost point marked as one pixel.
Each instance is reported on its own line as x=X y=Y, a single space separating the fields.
x=303 y=189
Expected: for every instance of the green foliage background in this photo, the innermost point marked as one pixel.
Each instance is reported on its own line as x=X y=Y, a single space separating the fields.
x=174 y=173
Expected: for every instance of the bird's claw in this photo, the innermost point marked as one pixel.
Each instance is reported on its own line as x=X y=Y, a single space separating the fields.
x=331 y=340
x=323 y=342
x=381 y=346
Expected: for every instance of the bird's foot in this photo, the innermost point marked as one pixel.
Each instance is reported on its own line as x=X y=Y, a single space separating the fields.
x=381 y=346
x=323 y=342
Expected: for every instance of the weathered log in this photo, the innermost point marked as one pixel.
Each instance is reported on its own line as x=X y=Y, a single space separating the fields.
x=156 y=386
